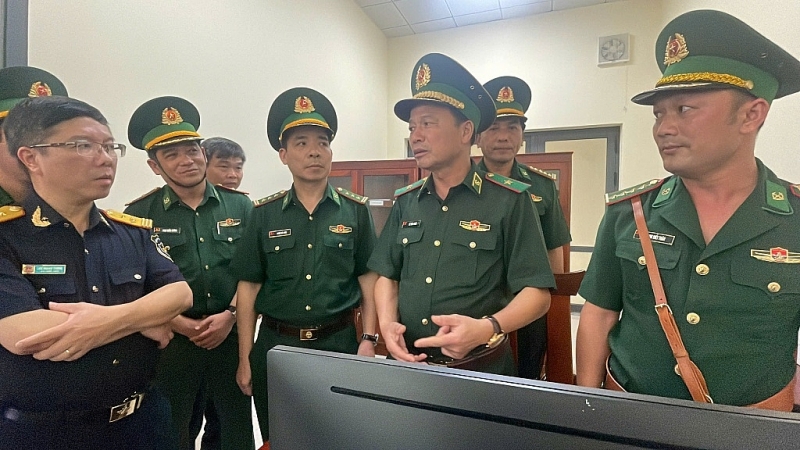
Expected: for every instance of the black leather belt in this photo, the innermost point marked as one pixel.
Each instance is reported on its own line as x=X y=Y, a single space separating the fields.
x=311 y=332
x=112 y=414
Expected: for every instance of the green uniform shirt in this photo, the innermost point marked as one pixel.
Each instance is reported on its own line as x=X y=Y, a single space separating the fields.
x=544 y=193
x=736 y=300
x=201 y=241
x=309 y=264
x=467 y=254
x=5 y=198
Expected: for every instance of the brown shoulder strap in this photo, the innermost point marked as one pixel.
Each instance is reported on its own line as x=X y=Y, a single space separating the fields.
x=689 y=372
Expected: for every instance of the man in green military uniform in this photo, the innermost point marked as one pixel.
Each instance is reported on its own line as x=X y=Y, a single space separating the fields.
x=16 y=84
x=200 y=226
x=306 y=251
x=460 y=243
x=499 y=145
x=723 y=230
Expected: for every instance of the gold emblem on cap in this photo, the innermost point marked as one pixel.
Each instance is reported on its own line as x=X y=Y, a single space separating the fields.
x=506 y=95
x=40 y=89
x=423 y=75
x=303 y=105
x=171 y=116
x=676 y=49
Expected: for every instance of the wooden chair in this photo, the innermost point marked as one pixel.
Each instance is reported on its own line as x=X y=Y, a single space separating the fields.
x=558 y=359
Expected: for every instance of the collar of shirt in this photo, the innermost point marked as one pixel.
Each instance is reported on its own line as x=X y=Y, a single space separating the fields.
x=330 y=193
x=169 y=197
x=473 y=182
x=43 y=215
x=518 y=171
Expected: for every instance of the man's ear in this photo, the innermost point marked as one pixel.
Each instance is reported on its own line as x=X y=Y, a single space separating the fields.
x=282 y=155
x=29 y=158
x=755 y=113
x=154 y=166
x=467 y=131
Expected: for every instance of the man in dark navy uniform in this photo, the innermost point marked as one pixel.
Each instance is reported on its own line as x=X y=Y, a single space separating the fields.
x=87 y=294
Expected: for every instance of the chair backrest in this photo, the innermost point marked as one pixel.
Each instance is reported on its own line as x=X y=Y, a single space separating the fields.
x=558 y=362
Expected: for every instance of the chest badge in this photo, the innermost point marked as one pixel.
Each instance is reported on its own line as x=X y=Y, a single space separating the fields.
x=536 y=198
x=340 y=229
x=411 y=223
x=776 y=255
x=44 y=269
x=474 y=225
x=279 y=233
x=38 y=220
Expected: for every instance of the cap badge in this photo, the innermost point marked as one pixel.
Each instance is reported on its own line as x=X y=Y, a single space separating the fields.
x=303 y=105
x=676 y=49
x=171 y=116
x=506 y=95
x=40 y=89
x=423 y=75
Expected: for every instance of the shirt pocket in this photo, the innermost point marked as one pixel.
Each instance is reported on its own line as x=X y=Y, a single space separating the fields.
x=283 y=260
x=338 y=260
x=633 y=265
x=475 y=254
x=127 y=284
x=52 y=289
x=173 y=244
x=225 y=241
x=773 y=282
x=409 y=239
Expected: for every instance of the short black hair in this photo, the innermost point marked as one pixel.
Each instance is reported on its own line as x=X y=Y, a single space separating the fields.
x=223 y=148
x=30 y=121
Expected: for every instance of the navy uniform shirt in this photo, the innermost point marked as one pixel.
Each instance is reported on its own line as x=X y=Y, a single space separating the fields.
x=736 y=300
x=544 y=194
x=467 y=254
x=309 y=264
x=43 y=259
x=200 y=240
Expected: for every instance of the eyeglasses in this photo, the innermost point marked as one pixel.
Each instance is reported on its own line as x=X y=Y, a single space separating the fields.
x=86 y=148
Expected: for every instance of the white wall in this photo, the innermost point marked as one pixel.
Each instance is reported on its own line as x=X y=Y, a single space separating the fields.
x=230 y=60
x=556 y=53
x=778 y=140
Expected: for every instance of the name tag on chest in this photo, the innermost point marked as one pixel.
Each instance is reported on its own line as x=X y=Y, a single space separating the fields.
x=44 y=269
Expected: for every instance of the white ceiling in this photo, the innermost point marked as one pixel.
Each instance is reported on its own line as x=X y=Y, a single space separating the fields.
x=403 y=17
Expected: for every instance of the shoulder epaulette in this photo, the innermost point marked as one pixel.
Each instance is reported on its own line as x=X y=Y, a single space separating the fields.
x=352 y=196
x=231 y=189
x=508 y=183
x=410 y=187
x=128 y=219
x=11 y=212
x=269 y=198
x=542 y=173
x=143 y=196
x=795 y=188
x=624 y=194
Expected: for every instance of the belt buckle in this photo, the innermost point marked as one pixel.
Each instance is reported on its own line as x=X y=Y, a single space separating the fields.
x=126 y=408
x=308 y=334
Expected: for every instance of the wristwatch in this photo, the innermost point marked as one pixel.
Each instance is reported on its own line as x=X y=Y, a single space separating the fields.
x=370 y=337
x=232 y=309
x=499 y=334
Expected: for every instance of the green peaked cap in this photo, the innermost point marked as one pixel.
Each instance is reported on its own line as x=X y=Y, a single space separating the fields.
x=298 y=107
x=21 y=82
x=511 y=96
x=441 y=80
x=163 y=121
x=707 y=49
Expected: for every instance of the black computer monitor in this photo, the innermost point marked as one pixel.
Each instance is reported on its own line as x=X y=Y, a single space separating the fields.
x=322 y=400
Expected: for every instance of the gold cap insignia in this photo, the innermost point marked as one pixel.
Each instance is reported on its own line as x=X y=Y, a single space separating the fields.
x=303 y=105
x=423 y=75
x=506 y=95
x=171 y=116
x=40 y=89
x=676 y=49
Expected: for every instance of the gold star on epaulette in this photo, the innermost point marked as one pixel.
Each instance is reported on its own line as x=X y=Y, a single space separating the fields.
x=410 y=187
x=508 y=183
x=352 y=195
x=623 y=194
x=542 y=173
